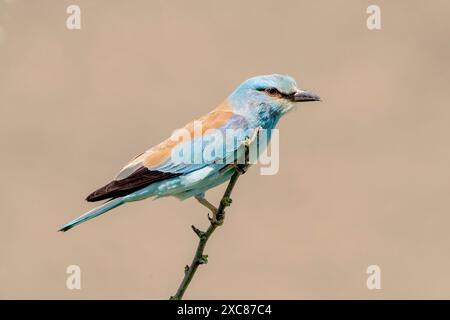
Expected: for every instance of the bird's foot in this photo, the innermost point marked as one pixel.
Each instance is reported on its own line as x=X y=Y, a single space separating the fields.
x=206 y=203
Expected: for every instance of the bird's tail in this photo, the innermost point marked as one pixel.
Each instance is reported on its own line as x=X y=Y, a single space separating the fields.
x=93 y=213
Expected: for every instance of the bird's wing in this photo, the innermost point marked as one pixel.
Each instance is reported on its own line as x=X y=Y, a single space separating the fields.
x=157 y=163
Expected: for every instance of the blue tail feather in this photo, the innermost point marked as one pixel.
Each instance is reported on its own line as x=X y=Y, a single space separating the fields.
x=93 y=213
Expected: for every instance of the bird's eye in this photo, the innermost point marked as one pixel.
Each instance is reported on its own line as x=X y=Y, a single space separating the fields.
x=272 y=92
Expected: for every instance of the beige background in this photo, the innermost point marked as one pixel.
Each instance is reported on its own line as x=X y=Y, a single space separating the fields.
x=364 y=176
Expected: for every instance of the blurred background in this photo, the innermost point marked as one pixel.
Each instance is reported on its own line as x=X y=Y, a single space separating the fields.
x=364 y=176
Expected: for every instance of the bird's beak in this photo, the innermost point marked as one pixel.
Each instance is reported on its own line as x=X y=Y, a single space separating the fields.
x=304 y=96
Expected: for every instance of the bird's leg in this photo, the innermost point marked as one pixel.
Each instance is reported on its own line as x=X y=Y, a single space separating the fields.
x=206 y=203
x=240 y=168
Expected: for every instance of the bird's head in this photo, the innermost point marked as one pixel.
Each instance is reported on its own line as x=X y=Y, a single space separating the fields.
x=269 y=96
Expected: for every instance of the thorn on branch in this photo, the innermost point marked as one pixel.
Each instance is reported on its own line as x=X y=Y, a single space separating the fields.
x=186 y=269
x=198 y=232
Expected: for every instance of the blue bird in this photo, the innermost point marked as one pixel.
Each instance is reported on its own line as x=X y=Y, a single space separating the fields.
x=258 y=103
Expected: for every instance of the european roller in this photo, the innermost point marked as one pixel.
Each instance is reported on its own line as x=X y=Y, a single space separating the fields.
x=258 y=103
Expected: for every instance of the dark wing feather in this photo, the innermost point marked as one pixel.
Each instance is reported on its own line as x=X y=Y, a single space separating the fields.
x=137 y=180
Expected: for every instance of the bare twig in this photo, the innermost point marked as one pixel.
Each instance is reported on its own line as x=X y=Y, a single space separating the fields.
x=217 y=219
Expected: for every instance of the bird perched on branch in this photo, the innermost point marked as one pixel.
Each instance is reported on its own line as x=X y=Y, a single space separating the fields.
x=257 y=103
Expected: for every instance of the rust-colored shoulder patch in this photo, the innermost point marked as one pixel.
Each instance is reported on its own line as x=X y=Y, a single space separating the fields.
x=161 y=152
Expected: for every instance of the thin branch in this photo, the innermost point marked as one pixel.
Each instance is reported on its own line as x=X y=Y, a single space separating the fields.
x=218 y=216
